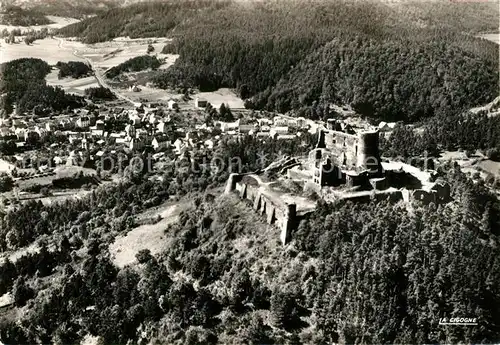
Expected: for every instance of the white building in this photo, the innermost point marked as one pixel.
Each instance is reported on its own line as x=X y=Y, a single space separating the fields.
x=83 y=122
x=160 y=142
x=278 y=131
x=41 y=131
x=130 y=131
x=178 y=146
x=227 y=126
x=173 y=105
x=99 y=125
x=134 y=88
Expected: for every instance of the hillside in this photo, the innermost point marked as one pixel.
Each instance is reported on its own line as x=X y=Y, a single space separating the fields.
x=390 y=80
x=354 y=273
x=288 y=41
x=16 y=16
x=23 y=86
x=64 y=8
x=149 y=19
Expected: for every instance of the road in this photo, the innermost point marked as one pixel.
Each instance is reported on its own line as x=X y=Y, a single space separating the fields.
x=101 y=80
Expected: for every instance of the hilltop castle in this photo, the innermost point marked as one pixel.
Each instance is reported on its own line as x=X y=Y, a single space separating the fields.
x=344 y=156
x=344 y=165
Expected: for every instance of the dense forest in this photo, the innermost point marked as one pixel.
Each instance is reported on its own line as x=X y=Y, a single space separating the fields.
x=99 y=93
x=22 y=83
x=297 y=57
x=80 y=9
x=73 y=69
x=390 y=80
x=466 y=131
x=17 y=16
x=149 y=19
x=135 y=64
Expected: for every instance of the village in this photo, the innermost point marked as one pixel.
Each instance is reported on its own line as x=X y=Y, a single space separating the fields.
x=37 y=149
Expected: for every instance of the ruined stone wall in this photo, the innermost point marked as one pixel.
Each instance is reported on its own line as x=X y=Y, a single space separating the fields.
x=353 y=151
x=392 y=196
x=343 y=148
x=368 y=154
x=283 y=216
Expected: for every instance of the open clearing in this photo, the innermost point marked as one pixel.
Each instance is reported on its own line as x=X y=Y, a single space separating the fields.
x=103 y=55
x=112 y=53
x=220 y=96
x=490 y=166
x=216 y=98
x=47 y=49
x=493 y=37
x=5 y=166
x=150 y=236
x=57 y=23
x=75 y=86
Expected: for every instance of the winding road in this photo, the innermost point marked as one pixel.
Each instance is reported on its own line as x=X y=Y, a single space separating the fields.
x=100 y=78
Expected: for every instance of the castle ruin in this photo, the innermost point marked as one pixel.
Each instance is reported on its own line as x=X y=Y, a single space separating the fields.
x=344 y=165
x=343 y=156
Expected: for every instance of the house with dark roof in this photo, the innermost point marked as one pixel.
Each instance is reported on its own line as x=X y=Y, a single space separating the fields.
x=160 y=142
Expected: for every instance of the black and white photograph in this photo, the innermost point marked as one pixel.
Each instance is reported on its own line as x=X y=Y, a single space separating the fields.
x=202 y=172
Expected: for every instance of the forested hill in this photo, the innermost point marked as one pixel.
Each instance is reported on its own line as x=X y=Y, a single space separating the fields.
x=13 y=15
x=353 y=274
x=390 y=80
x=65 y=8
x=394 y=61
x=147 y=19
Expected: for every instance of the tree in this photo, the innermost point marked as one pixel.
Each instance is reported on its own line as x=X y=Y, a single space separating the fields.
x=45 y=191
x=225 y=113
x=256 y=333
x=29 y=40
x=6 y=182
x=21 y=292
x=150 y=49
x=11 y=39
x=143 y=256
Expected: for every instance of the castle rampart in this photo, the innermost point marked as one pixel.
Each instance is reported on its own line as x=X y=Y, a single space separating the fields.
x=276 y=212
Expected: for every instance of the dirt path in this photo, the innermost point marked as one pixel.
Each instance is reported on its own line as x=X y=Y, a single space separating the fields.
x=100 y=78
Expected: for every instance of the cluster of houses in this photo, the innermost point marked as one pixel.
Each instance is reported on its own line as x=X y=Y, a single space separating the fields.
x=148 y=127
x=280 y=127
x=135 y=129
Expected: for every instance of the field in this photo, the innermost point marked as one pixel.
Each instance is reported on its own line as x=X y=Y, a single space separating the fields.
x=57 y=23
x=220 y=96
x=490 y=166
x=60 y=172
x=109 y=54
x=105 y=55
x=215 y=98
x=47 y=49
x=5 y=166
x=149 y=236
x=75 y=86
